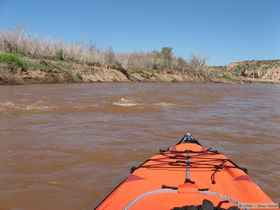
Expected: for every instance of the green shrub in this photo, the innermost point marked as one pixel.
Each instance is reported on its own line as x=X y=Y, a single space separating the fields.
x=228 y=76
x=60 y=55
x=13 y=59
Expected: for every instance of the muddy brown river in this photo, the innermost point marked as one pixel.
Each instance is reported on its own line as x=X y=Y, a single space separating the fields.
x=63 y=147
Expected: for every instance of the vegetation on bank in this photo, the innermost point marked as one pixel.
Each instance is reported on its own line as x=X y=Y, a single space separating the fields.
x=21 y=43
x=14 y=60
x=21 y=53
x=27 y=59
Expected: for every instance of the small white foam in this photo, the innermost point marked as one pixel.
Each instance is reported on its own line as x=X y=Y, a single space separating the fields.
x=164 y=104
x=7 y=104
x=36 y=108
x=125 y=102
x=10 y=106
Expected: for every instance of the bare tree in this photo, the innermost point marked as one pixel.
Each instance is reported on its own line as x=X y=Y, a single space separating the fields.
x=109 y=56
x=198 y=63
x=181 y=64
x=167 y=56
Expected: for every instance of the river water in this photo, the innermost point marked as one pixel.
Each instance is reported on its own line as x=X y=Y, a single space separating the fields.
x=63 y=147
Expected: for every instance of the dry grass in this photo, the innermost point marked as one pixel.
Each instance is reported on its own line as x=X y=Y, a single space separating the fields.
x=20 y=42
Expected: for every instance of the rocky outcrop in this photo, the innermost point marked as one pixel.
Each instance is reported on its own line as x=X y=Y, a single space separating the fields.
x=265 y=70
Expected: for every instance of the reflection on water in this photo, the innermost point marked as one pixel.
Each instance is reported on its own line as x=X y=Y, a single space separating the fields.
x=65 y=146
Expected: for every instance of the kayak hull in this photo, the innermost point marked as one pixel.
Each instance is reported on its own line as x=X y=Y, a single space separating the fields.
x=186 y=174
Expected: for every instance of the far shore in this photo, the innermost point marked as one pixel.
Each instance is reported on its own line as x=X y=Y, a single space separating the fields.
x=21 y=70
x=25 y=59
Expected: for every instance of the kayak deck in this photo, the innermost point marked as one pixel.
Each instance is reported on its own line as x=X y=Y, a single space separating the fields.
x=185 y=174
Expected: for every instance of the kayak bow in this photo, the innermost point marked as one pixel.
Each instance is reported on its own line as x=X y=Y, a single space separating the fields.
x=187 y=176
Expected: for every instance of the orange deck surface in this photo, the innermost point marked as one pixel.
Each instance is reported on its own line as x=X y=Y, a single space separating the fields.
x=143 y=188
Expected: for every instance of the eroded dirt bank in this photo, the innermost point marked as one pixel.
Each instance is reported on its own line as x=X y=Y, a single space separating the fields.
x=16 y=69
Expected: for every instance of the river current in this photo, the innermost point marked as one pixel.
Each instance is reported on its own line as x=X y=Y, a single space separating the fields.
x=64 y=147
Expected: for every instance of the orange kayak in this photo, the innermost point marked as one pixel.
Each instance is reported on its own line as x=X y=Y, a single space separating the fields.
x=187 y=176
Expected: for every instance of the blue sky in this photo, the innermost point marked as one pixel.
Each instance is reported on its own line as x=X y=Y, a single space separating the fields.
x=220 y=30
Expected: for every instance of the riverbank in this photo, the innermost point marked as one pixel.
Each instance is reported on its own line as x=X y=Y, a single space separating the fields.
x=25 y=59
x=16 y=69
